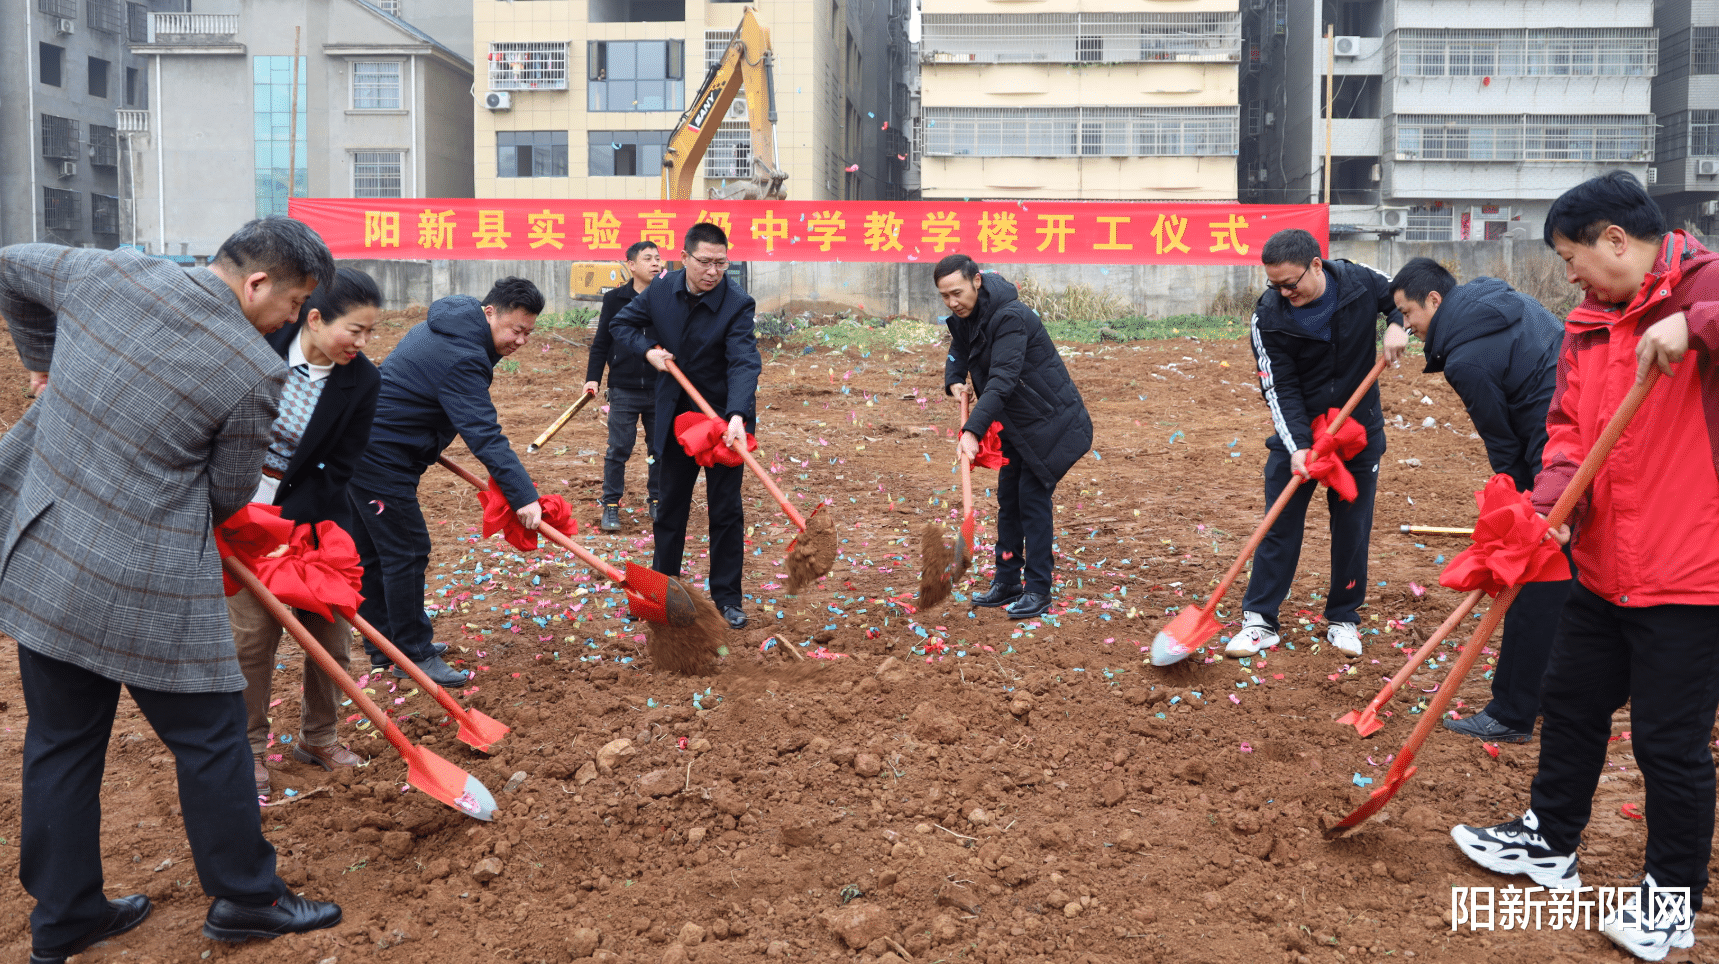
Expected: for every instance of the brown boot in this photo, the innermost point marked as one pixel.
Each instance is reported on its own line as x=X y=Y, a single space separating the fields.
x=327 y=757
x=262 y=776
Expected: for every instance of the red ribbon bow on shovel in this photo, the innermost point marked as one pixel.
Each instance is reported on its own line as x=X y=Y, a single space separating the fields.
x=701 y=436
x=991 y=449
x=1330 y=451
x=498 y=517
x=318 y=571
x=1510 y=545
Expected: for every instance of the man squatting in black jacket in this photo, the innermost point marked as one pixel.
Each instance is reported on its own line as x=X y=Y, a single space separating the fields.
x=1020 y=381
x=1313 y=336
x=1499 y=349
x=632 y=389
x=700 y=319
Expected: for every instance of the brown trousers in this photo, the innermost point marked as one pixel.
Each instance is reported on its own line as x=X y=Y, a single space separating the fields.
x=258 y=636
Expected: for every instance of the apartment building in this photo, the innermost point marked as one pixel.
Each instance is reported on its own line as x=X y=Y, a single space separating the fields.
x=578 y=98
x=70 y=76
x=1079 y=99
x=1685 y=178
x=381 y=108
x=1449 y=119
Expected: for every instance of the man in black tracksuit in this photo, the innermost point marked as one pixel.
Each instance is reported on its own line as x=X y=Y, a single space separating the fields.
x=1313 y=337
x=700 y=319
x=1499 y=349
x=1020 y=381
x=632 y=389
x=435 y=384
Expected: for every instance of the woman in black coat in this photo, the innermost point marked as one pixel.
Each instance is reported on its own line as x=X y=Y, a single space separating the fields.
x=315 y=443
x=1021 y=382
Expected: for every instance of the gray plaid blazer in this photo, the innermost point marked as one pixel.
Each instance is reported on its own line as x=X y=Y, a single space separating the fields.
x=159 y=402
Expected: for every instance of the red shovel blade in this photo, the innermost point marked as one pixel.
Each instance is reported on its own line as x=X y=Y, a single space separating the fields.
x=448 y=783
x=481 y=731
x=813 y=515
x=647 y=594
x=1375 y=802
x=1182 y=635
x=1365 y=722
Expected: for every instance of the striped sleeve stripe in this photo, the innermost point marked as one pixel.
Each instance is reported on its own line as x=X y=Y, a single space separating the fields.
x=1268 y=386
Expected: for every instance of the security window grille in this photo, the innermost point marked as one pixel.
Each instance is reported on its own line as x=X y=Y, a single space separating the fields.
x=1704 y=133
x=1525 y=137
x=104 y=146
x=104 y=214
x=376 y=173
x=137 y=23
x=376 y=85
x=58 y=8
x=1704 y=50
x=729 y=155
x=1429 y=224
x=715 y=45
x=104 y=15
x=60 y=140
x=531 y=153
x=636 y=75
x=60 y=209
x=1080 y=131
x=627 y=153
x=392 y=9
x=536 y=65
x=1558 y=52
x=1080 y=37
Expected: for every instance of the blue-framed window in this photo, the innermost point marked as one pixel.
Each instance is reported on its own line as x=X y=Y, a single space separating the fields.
x=281 y=171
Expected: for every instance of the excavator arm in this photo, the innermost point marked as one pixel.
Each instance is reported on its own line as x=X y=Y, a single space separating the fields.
x=747 y=63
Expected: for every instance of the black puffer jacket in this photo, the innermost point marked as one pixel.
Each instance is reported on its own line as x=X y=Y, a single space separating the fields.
x=1499 y=349
x=1019 y=380
x=1301 y=376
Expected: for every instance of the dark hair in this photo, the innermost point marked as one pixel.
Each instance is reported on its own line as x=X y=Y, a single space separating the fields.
x=952 y=263
x=352 y=289
x=1420 y=277
x=1290 y=246
x=703 y=233
x=282 y=248
x=510 y=293
x=1616 y=197
x=638 y=246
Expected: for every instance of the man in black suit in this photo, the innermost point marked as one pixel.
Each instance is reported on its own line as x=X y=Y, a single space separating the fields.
x=702 y=321
x=632 y=385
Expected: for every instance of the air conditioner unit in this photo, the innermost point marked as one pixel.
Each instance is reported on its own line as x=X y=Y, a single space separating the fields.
x=1396 y=219
x=1707 y=167
x=498 y=100
x=64 y=25
x=1710 y=208
x=1653 y=175
x=68 y=169
x=1346 y=46
x=737 y=109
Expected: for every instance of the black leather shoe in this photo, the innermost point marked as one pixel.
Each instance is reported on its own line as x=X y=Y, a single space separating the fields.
x=656 y=506
x=123 y=914
x=997 y=595
x=1029 y=604
x=382 y=663
x=736 y=618
x=611 y=518
x=1483 y=727
x=291 y=914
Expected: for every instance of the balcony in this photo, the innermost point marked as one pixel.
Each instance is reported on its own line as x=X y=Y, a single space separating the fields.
x=194 y=32
x=132 y=121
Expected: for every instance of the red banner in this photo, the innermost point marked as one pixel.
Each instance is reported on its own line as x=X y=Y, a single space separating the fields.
x=1093 y=232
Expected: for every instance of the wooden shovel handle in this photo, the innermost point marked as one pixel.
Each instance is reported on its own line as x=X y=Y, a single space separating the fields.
x=751 y=463
x=553 y=534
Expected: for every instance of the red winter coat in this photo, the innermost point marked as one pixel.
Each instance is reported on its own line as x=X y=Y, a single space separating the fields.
x=1647 y=534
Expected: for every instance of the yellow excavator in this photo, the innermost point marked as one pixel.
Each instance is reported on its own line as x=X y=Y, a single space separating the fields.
x=748 y=62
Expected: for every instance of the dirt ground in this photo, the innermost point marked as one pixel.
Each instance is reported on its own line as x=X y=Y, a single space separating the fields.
x=909 y=792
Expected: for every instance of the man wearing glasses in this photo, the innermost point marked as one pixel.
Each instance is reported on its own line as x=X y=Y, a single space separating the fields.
x=702 y=321
x=1313 y=336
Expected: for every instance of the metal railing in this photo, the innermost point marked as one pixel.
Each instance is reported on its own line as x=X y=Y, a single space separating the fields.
x=104 y=146
x=1559 y=52
x=192 y=25
x=132 y=121
x=104 y=214
x=535 y=65
x=105 y=15
x=1080 y=131
x=730 y=152
x=1521 y=137
x=60 y=209
x=1092 y=38
x=60 y=138
x=59 y=8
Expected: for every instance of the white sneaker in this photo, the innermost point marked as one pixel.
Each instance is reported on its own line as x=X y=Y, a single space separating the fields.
x=1345 y=637
x=1256 y=634
x=1517 y=848
x=1630 y=928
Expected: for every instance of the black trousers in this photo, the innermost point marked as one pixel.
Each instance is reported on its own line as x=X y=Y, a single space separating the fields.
x=1351 y=529
x=628 y=407
x=1026 y=531
x=394 y=549
x=727 y=521
x=1661 y=660
x=65 y=755
x=1529 y=628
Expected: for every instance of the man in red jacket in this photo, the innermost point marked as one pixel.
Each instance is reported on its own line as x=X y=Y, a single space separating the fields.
x=1642 y=621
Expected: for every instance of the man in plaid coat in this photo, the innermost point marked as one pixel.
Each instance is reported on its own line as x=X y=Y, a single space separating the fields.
x=155 y=393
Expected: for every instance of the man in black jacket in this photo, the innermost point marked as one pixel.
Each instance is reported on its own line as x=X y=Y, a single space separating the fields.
x=1313 y=336
x=435 y=384
x=632 y=387
x=1499 y=349
x=700 y=319
x=1021 y=382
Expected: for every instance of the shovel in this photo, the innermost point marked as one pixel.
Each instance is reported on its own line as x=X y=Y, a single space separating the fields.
x=1367 y=722
x=566 y=416
x=424 y=769
x=1194 y=625
x=651 y=596
x=1403 y=767
x=477 y=730
x=939 y=573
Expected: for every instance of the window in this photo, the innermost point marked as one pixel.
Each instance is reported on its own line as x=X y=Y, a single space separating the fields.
x=60 y=139
x=376 y=85
x=376 y=173
x=137 y=23
x=1553 y=52
x=392 y=9
x=104 y=146
x=281 y=159
x=104 y=15
x=530 y=153
x=1063 y=38
x=729 y=155
x=60 y=209
x=1524 y=137
x=1704 y=133
x=627 y=153
x=104 y=214
x=635 y=11
x=636 y=75
x=98 y=77
x=536 y=65
x=1081 y=131
x=58 y=8
x=1704 y=50
x=53 y=63
x=1429 y=224
x=131 y=89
